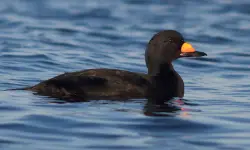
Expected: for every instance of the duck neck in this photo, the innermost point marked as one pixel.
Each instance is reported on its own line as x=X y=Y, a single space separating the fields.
x=164 y=82
x=160 y=70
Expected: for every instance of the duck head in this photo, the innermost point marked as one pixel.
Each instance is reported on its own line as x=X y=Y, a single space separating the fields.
x=165 y=47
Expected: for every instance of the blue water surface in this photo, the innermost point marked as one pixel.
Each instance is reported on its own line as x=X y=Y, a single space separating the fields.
x=40 y=39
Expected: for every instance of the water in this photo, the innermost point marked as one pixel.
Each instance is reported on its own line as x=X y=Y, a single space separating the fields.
x=43 y=38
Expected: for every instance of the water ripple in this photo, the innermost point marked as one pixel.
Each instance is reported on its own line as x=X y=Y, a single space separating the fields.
x=41 y=39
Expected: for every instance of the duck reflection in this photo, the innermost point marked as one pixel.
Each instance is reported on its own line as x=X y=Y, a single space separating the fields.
x=152 y=107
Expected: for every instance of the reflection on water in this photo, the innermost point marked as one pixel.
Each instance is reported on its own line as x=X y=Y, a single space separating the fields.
x=164 y=109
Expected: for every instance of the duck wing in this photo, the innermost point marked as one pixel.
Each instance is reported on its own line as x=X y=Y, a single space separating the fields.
x=70 y=86
x=94 y=84
x=75 y=80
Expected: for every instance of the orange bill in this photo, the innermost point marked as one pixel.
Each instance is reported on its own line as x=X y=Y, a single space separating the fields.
x=187 y=50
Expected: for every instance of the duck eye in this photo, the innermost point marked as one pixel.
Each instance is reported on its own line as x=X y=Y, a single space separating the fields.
x=170 y=40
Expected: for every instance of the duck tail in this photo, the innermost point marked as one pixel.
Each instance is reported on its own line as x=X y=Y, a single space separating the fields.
x=17 y=89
